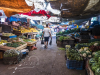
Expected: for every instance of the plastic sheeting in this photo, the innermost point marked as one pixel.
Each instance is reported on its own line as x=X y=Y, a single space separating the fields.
x=10 y=19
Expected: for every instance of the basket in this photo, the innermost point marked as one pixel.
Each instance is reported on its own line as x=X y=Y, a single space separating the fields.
x=74 y=64
x=11 y=60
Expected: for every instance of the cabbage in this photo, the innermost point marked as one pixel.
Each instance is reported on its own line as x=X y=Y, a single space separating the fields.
x=97 y=55
x=92 y=60
x=97 y=71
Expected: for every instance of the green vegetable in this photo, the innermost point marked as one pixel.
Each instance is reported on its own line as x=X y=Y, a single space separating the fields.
x=17 y=44
x=97 y=72
x=62 y=49
x=92 y=60
x=28 y=40
x=61 y=38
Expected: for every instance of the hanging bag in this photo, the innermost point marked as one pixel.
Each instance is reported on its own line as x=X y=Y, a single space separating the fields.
x=50 y=43
x=42 y=41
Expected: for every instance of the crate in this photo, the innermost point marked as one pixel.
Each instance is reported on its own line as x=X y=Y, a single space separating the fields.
x=84 y=36
x=11 y=60
x=59 y=43
x=69 y=42
x=97 y=37
x=13 y=36
x=4 y=48
x=1 y=55
x=88 y=69
x=73 y=64
x=84 y=40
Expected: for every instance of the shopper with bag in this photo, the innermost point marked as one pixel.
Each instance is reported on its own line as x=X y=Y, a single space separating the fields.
x=46 y=34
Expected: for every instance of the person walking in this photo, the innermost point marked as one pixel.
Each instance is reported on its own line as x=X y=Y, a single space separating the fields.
x=46 y=34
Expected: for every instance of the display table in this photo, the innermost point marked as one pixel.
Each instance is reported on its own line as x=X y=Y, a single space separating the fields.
x=4 y=48
x=30 y=44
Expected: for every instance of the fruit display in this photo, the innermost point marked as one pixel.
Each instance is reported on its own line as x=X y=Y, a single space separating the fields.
x=3 y=41
x=16 y=44
x=23 y=30
x=72 y=54
x=7 y=34
x=85 y=52
x=95 y=63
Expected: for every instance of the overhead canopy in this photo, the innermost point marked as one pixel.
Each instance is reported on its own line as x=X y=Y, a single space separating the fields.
x=11 y=7
x=34 y=13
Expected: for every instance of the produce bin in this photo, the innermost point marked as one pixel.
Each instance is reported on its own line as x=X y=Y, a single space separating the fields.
x=74 y=64
x=70 y=42
x=59 y=43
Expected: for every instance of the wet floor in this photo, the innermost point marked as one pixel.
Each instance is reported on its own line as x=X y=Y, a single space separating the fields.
x=42 y=61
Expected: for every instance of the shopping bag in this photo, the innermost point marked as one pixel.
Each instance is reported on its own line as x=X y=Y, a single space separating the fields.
x=42 y=41
x=50 y=43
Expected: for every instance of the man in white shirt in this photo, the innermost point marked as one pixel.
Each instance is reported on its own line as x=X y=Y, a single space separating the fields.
x=46 y=34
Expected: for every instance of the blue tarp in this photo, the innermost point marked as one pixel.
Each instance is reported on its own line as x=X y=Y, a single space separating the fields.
x=10 y=19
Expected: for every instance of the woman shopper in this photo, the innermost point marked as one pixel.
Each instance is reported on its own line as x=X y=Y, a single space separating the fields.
x=46 y=34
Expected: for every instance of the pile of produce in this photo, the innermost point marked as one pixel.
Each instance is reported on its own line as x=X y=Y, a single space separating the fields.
x=95 y=47
x=11 y=57
x=10 y=53
x=85 y=52
x=15 y=40
x=95 y=63
x=23 y=37
x=61 y=38
x=72 y=54
x=67 y=38
x=16 y=44
x=29 y=40
x=23 y=30
x=7 y=34
x=3 y=41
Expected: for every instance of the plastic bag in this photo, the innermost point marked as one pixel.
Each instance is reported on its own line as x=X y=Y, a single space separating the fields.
x=50 y=43
x=42 y=41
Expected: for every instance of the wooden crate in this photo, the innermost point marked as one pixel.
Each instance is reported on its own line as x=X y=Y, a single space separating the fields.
x=31 y=43
x=89 y=71
x=4 y=48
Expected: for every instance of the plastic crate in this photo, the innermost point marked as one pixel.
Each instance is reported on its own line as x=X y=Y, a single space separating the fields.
x=73 y=64
x=13 y=36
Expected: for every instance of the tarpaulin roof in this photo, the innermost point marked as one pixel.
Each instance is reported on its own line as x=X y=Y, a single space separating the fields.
x=34 y=13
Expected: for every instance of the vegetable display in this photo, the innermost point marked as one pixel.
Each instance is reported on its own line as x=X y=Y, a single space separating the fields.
x=72 y=54
x=10 y=53
x=95 y=63
x=17 y=44
x=3 y=41
x=85 y=52
x=8 y=34
x=61 y=38
x=29 y=40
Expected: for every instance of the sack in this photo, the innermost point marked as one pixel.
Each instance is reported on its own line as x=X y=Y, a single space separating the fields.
x=42 y=41
x=50 y=43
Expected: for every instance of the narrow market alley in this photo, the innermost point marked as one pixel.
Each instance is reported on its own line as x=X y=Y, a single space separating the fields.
x=42 y=61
